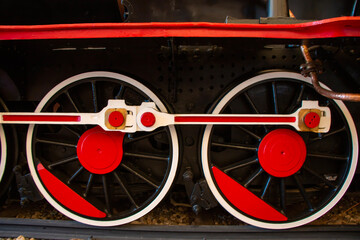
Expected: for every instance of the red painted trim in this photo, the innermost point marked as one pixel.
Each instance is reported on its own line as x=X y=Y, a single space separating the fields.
x=70 y=199
x=225 y=119
x=245 y=200
x=328 y=28
x=43 y=118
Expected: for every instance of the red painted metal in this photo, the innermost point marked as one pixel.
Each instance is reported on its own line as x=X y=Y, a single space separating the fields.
x=312 y=120
x=43 y=118
x=282 y=152
x=66 y=196
x=100 y=151
x=228 y=119
x=148 y=119
x=245 y=200
x=116 y=119
x=328 y=28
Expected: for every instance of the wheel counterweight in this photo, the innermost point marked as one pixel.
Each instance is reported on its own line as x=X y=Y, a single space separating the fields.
x=283 y=178
x=94 y=176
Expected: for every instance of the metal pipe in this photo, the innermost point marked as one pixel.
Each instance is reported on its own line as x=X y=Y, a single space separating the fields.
x=353 y=97
x=278 y=8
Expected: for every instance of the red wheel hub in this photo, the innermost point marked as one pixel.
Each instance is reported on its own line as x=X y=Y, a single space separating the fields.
x=100 y=151
x=282 y=153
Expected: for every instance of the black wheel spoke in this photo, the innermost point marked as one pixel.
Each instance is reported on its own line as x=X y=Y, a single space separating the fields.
x=120 y=93
x=52 y=142
x=148 y=156
x=234 y=146
x=328 y=156
x=326 y=135
x=266 y=187
x=257 y=137
x=94 y=96
x=324 y=180
x=274 y=94
x=106 y=195
x=72 y=101
x=297 y=100
x=240 y=164
x=141 y=175
x=282 y=195
x=144 y=136
x=252 y=104
x=89 y=184
x=303 y=192
x=125 y=189
x=71 y=131
x=50 y=128
x=75 y=174
x=63 y=161
x=253 y=176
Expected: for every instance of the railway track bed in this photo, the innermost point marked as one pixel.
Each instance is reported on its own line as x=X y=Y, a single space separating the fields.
x=51 y=229
x=174 y=222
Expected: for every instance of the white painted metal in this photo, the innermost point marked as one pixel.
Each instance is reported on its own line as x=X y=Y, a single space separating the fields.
x=165 y=119
x=133 y=118
x=3 y=152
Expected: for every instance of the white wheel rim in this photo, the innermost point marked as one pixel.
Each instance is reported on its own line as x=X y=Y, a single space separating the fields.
x=3 y=152
x=173 y=167
x=226 y=205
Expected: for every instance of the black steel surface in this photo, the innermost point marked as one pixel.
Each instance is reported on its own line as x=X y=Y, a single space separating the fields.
x=23 y=12
x=189 y=74
x=51 y=229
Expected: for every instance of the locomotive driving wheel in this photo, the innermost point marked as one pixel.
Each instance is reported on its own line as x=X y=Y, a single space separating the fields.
x=273 y=176
x=2 y=152
x=8 y=155
x=95 y=176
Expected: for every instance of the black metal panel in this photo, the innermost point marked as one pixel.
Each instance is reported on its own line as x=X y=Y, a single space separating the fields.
x=23 y=12
x=189 y=73
x=50 y=229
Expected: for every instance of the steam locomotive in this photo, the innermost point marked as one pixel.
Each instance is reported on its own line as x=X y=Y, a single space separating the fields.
x=113 y=103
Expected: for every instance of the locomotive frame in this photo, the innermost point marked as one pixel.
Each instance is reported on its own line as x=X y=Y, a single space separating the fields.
x=172 y=62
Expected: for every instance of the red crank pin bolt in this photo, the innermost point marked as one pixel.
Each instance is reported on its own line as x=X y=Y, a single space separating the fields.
x=312 y=120
x=116 y=119
x=148 y=119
